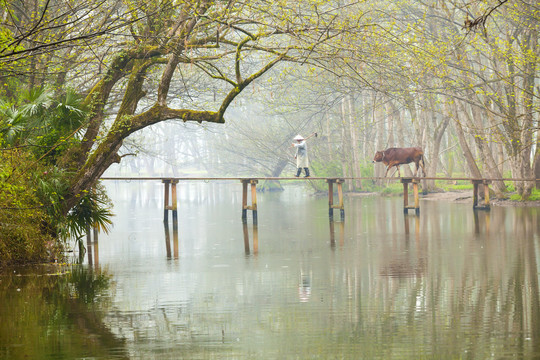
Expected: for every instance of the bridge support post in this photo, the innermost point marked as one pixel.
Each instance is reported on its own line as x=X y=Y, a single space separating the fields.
x=476 y=185
x=170 y=184
x=406 y=207
x=331 y=205
x=92 y=239
x=168 y=240
x=255 y=239
x=253 y=206
x=341 y=227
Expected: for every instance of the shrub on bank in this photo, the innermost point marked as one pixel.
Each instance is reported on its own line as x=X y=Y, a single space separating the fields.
x=22 y=215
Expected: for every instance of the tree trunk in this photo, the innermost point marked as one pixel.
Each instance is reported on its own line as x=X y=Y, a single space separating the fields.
x=275 y=185
x=438 y=135
x=346 y=141
x=378 y=121
x=469 y=158
x=354 y=144
x=530 y=94
x=486 y=155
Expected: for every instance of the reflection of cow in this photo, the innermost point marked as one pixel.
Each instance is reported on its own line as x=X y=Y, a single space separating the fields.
x=398 y=156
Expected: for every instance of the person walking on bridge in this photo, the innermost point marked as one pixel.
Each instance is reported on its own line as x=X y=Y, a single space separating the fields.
x=301 y=155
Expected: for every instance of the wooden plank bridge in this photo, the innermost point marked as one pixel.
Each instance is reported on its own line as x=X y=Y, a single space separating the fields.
x=170 y=195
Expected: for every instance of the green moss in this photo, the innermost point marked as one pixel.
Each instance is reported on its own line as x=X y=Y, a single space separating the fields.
x=535 y=196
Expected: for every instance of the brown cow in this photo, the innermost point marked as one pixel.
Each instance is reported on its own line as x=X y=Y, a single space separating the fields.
x=398 y=156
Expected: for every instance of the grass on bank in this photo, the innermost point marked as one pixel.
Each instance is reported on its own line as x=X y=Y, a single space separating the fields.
x=396 y=187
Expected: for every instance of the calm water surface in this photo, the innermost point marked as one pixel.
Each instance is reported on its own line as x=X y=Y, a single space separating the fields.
x=448 y=284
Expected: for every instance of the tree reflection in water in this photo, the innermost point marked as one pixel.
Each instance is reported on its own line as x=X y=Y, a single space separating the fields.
x=56 y=312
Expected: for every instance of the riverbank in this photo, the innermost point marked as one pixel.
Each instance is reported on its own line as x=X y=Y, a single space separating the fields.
x=464 y=196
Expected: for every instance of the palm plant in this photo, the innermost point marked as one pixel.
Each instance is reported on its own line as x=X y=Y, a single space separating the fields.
x=93 y=210
x=11 y=122
x=60 y=127
x=42 y=120
x=21 y=120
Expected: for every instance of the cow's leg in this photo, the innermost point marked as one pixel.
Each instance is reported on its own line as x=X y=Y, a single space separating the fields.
x=418 y=166
x=387 y=169
x=421 y=163
x=398 y=172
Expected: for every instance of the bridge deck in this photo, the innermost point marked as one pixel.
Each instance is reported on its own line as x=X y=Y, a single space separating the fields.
x=160 y=178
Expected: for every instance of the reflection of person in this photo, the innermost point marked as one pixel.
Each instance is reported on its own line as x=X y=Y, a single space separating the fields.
x=304 y=288
x=301 y=155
